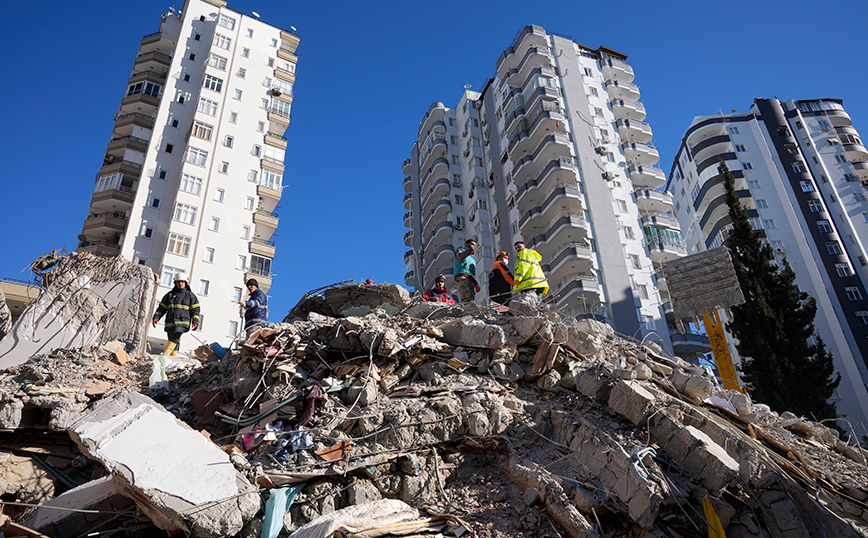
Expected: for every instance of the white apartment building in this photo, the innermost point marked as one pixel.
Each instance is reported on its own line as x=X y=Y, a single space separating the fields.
x=193 y=171
x=799 y=168
x=553 y=151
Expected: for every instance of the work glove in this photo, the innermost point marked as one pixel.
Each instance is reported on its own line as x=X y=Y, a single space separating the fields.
x=155 y=322
x=195 y=326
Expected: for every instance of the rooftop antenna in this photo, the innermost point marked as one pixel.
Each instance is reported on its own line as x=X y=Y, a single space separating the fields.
x=255 y=14
x=467 y=86
x=293 y=28
x=173 y=10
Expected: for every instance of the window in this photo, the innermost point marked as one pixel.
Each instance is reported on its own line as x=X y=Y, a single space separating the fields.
x=197 y=156
x=169 y=148
x=833 y=247
x=213 y=83
x=178 y=244
x=634 y=261
x=228 y=141
x=798 y=167
x=250 y=32
x=252 y=176
x=202 y=130
x=162 y=174
x=242 y=72
x=245 y=53
x=740 y=148
x=215 y=224
x=799 y=125
x=207 y=106
x=843 y=269
x=257 y=151
x=481 y=204
x=242 y=263
x=850 y=178
x=223 y=168
x=756 y=223
x=218 y=195
x=222 y=41
x=147 y=88
x=260 y=265
x=840 y=158
x=733 y=130
x=643 y=291
x=260 y=127
x=628 y=232
x=274 y=153
x=270 y=179
x=186 y=78
x=263 y=104
x=594 y=92
x=237 y=94
x=249 y=204
x=197 y=37
x=245 y=232
x=622 y=206
x=824 y=226
x=753 y=184
x=762 y=204
x=695 y=193
x=806 y=186
x=226 y=22
x=778 y=245
x=747 y=166
x=236 y=294
x=271 y=62
x=155 y=203
x=233 y=328
x=233 y=117
x=167 y=277
x=588 y=72
x=859 y=196
x=769 y=224
x=192 y=57
x=175 y=123
x=273 y=42
x=598 y=111
x=203 y=287
x=218 y=62
x=815 y=206
x=209 y=255
x=455 y=159
x=185 y=213
x=459 y=199
x=281 y=108
x=149 y=232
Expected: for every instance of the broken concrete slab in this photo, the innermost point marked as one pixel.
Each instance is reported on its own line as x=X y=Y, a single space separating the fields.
x=5 y=316
x=149 y=449
x=73 y=512
x=474 y=333
x=89 y=300
x=359 y=299
x=632 y=401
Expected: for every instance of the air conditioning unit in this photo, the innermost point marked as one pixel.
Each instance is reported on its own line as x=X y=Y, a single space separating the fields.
x=459 y=226
x=609 y=176
x=466 y=152
x=275 y=91
x=605 y=140
x=472 y=217
x=603 y=150
x=779 y=250
x=456 y=182
x=471 y=193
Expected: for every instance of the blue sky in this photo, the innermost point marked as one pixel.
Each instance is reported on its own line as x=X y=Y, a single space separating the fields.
x=367 y=73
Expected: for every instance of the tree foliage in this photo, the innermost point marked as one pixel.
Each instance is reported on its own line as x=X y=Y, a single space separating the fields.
x=780 y=366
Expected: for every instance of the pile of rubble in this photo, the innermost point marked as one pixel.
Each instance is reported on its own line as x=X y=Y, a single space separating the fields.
x=369 y=413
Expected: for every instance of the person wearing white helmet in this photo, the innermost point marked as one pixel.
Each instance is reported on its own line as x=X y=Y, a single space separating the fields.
x=181 y=308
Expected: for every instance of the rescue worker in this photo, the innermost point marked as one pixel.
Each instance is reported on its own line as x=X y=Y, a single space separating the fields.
x=529 y=275
x=439 y=293
x=181 y=308
x=255 y=307
x=500 y=280
x=464 y=269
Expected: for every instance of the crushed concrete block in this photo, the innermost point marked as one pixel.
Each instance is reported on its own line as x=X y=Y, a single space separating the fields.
x=632 y=401
x=359 y=299
x=364 y=393
x=102 y=494
x=550 y=381
x=693 y=385
x=642 y=370
x=525 y=326
x=596 y=382
x=661 y=369
x=435 y=311
x=708 y=461
x=626 y=375
x=5 y=316
x=525 y=304
x=89 y=300
x=362 y=491
x=148 y=449
x=474 y=333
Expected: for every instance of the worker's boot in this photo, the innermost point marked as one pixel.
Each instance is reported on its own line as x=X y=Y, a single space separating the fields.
x=171 y=348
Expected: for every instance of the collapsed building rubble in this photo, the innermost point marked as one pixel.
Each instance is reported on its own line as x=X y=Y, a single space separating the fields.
x=369 y=413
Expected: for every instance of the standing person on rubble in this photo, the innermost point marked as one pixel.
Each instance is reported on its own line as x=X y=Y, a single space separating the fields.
x=255 y=307
x=464 y=269
x=439 y=293
x=529 y=275
x=500 y=280
x=181 y=308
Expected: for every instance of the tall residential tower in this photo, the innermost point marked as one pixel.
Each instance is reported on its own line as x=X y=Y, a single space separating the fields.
x=554 y=151
x=193 y=171
x=799 y=168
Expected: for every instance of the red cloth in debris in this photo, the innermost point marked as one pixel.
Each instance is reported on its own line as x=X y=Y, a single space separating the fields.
x=311 y=395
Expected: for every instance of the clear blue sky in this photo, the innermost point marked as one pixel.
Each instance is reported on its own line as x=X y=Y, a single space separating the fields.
x=367 y=73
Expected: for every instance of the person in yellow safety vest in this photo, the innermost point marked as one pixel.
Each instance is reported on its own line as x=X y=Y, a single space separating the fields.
x=529 y=275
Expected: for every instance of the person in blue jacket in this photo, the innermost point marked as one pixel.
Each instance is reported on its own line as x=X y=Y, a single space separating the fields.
x=256 y=308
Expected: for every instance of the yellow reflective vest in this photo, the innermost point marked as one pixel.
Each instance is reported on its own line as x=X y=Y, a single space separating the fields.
x=528 y=272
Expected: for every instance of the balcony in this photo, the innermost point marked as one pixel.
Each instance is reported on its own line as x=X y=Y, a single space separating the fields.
x=440 y=168
x=553 y=146
x=153 y=61
x=634 y=131
x=861 y=170
x=148 y=76
x=534 y=57
x=647 y=176
x=408 y=200
x=124 y=123
x=562 y=198
x=571 y=259
x=408 y=184
x=436 y=112
x=660 y=279
x=633 y=110
x=408 y=256
x=440 y=262
x=266 y=223
x=438 y=191
x=410 y=279
x=267 y=192
x=639 y=153
x=141 y=103
x=839 y=118
x=622 y=90
x=405 y=166
x=661 y=220
x=276 y=140
x=441 y=233
x=616 y=70
x=564 y=227
x=408 y=219
x=262 y=247
x=262 y=277
x=689 y=344
x=99 y=248
x=663 y=244
x=117 y=200
x=278 y=120
x=127 y=168
x=530 y=36
x=581 y=290
x=656 y=201
x=408 y=238
x=856 y=152
x=104 y=224
x=437 y=148
x=547 y=120
x=439 y=212
x=118 y=145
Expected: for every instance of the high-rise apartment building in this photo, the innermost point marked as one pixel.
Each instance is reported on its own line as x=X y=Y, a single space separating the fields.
x=193 y=171
x=800 y=169
x=553 y=151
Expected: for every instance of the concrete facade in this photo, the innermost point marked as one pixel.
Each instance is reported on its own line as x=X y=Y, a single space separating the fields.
x=193 y=171
x=799 y=168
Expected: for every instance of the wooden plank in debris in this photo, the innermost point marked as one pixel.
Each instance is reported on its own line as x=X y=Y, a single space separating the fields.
x=335 y=452
x=541 y=358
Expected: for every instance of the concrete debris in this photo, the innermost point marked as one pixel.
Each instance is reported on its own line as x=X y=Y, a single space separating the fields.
x=367 y=411
x=5 y=316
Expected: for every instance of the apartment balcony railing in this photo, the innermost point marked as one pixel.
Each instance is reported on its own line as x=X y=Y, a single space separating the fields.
x=260 y=272
x=280 y=112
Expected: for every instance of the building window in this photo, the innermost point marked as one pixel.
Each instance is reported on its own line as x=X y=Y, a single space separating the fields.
x=270 y=179
x=178 y=244
x=202 y=130
x=236 y=294
x=833 y=247
x=213 y=83
x=249 y=204
x=228 y=141
x=628 y=232
x=217 y=62
x=207 y=106
x=245 y=232
x=740 y=148
x=459 y=199
x=263 y=104
x=778 y=245
x=798 y=167
x=260 y=127
x=250 y=32
x=799 y=125
x=245 y=53
x=622 y=206
x=209 y=255
x=203 y=287
x=753 y=184
x=237 y=94
x=815 y=206
x=149 y=232
x=643 y=291
x=769 y=224
x=222 y=41
x=242 y=263
x=252 y=176
x=242 y=72
x=598 y=111
x=273 y=42
x=175 y=123
x=147 y=88
x=167 y=277
x=733 y=130
x=223 y=168
x=850 y=178
x=695 y=193
x=858 y=196
x=192 y=57
x=185 y=213
x=806 y=186
x=169 y=148
x=197 y=156
x=155 y=203
x=186 y=78
x=226 y=22
x=594 y=92
x=756 y=223
x=215 y=224
x=197 y=37
x=635 y=262
x=840 y=158
x=843 y=269
x=271 y=62
x=257 y=151
x=762 y=204
x=747 y=166
x=233 y=328
x=233 y=117
x=260 y=266
x=218 y=195
x=162 y=174
x=824 y=226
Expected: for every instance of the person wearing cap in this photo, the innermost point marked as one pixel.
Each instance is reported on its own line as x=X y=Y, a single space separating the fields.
x=529 y=275
x=439 y=293
x=181 y=308
x=464 y=269
x=256 y=307
x=500 y=280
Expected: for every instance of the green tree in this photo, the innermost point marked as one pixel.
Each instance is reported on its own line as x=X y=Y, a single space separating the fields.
x=780 y=367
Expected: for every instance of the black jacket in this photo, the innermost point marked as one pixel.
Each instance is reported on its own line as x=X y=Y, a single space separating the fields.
x=181 y=307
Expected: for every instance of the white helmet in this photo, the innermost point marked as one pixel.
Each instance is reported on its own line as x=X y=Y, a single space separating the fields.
x=180 y=276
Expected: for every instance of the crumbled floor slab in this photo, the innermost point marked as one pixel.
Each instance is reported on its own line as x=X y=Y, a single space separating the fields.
x=80 y=509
